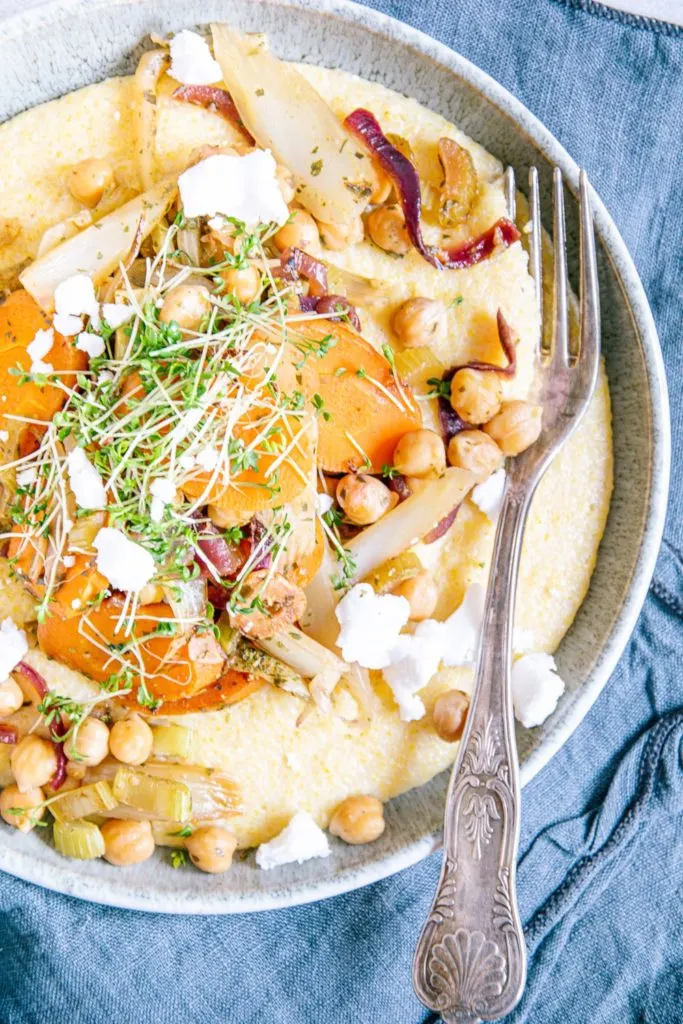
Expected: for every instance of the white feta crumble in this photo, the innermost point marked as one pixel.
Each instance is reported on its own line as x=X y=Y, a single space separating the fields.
x=69 y=561
x=116 y=314
x=186 y=461
x=76 y=297
x=66 y=324
x=536 y=688
x=301 y=840
x=207 y=458
x=163 y=492
x=90 y=343
x=4 y=435
x=39 y=348
x=27 y=476
x=370 y=625
x=125 y=564
x=13 y=646
x=191 y=60
x=489 y=496
x=323 y=503
x=244 y=187
x=85 y=480
x=522 y=640
x=462 y=629
x=414 y=660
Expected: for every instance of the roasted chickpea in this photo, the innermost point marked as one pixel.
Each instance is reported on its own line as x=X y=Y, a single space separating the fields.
x=516 y=427
x=300 y=232
x=281 y=604
x=211 y=849
x=285 y=180
x=364 y=498
x=421 y=594
x=416 y=484
x=420 y=453
x=22 y=810
x=151 y=593
x=89 y=744
x=358 y=819
x=476 y=395
x=476 y=452
x=449 y=715
x=387 y=229
x=382 y=189
x=419 y=322
x=244 y=284
x=186 y=305
x=127 y=842
x=11 y=697
x=33 y=762
x=89 y=180
x=131 y=740
x=340 y=236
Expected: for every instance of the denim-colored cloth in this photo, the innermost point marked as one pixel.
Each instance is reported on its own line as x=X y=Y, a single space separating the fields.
x=601 y=858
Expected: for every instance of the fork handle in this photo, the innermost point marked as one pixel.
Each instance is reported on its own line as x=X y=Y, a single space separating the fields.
x=470 y=961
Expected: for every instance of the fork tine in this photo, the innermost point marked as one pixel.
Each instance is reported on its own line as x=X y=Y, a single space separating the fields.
x=511 y=193
x=536 y=242
x=560 y=350
x=589 y=352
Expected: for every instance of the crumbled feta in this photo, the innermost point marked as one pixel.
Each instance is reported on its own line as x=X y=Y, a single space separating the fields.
x=66 y=324
x=38 y=348
x=27 y=476
x=244 y=187
x=69 y=561
x=76 y=297
x=4 y=435
x=13 y=646
x=370 y=625
x=208 y=458
x=90 y=343
x=301 y=840
x=125 y=564
x=116 y=313
x=489 y=496
x=163 y=492
x=323 y=503
x=462 y=629
x=85 y=480
x=522 y=640
x=191 y=60
x=186 y=461
x=414 y=660
x=536 y=688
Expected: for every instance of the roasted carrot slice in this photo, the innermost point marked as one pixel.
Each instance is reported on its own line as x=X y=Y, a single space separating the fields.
x=229 y=689
x=92 y=644
x=367 y=411
x=81 y=585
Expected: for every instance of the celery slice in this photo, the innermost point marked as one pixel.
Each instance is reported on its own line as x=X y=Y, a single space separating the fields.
x=160 y=798
x=173 y=741
x=416 y=366
x=80 y=839
x=394 y=571
x=81 y=803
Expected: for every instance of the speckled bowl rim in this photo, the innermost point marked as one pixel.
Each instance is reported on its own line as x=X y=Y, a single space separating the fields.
x=124 y=892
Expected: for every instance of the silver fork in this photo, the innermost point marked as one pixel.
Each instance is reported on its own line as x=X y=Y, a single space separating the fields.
x=470 y=961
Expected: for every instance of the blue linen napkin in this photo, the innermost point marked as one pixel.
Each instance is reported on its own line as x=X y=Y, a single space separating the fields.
x=601 y=865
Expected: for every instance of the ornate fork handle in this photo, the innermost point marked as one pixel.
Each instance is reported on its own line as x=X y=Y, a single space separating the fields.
x=470 y=961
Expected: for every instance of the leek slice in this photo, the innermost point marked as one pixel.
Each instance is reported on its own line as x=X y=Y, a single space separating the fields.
x=214 y=795
x=394 y=571
x=81 y=803
x=79 y=839
x=161 y=798
x=173 y=741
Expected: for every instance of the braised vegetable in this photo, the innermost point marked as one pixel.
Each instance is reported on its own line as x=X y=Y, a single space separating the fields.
x=173 y=741
x=81 y=840
x=394 y=571
x=213 y=795
x=165 y=799
x=95 y=798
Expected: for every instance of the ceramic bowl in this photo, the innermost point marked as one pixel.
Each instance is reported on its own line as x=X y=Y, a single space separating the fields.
x=74 y=44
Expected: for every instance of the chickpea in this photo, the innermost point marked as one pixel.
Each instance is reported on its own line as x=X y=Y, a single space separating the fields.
x=516 y=427
x=151 y=593
x=285 y=180
x=89 y=745
x=283 y=603
x=476 y=452
x=211 y=849
x=131 y=740
x=339 y=236
x=89 y=180
x=186 y=305
x=30 y=802
x=300 y=232
x=244 y=284
x=364 y=498
x=358 y=819
x=387 y=229
x=450 y=714
x=476 y=395
x=420 y=322
x=421 y=594
x=382 y=189
x=127 y=842
x=420 y=453
x=11 y=697
x=33 y=762
x=416 y=484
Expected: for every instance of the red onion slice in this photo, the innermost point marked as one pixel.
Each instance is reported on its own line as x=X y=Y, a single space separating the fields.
x=341 y=306
x=406 y=181
x=257 y=532
x=225 y=558
x=441 y=527
x=399 y=485
x=295 y=263
x=59 y=728
x=8 y=733
x=34 y=678
x=208 y=96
